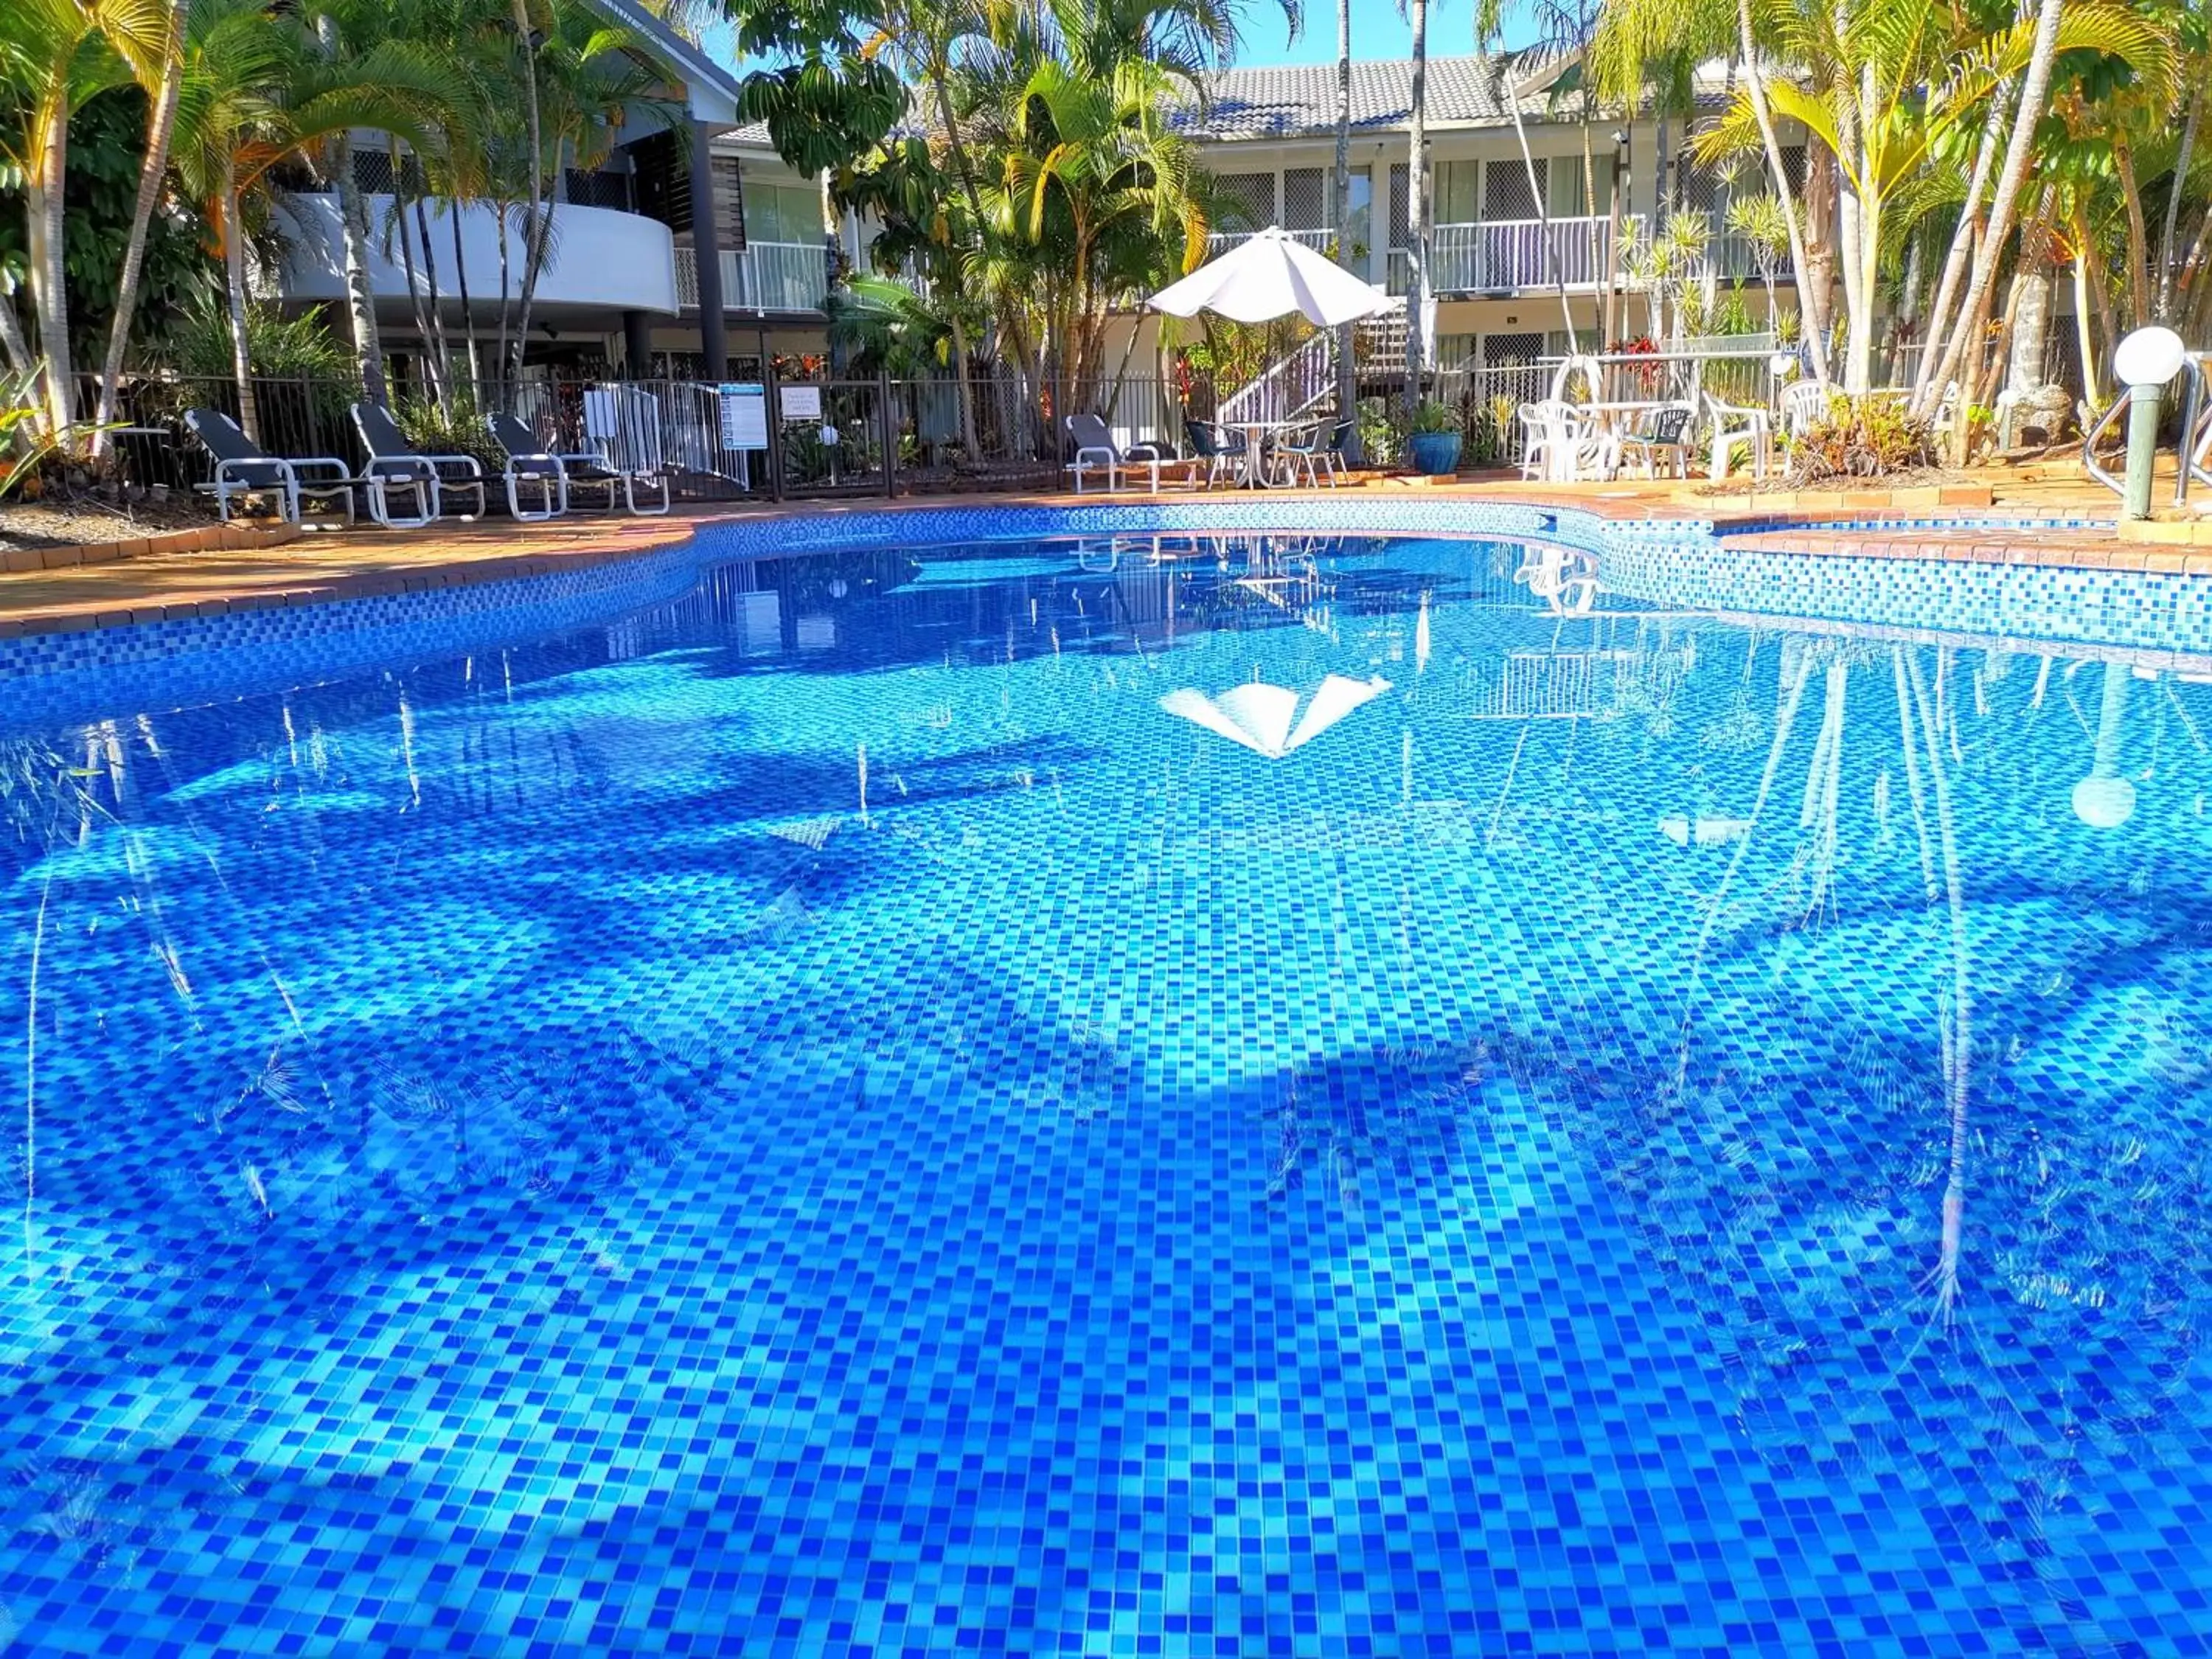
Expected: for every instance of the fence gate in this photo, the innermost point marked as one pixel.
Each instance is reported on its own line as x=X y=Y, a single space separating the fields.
x=834 y=437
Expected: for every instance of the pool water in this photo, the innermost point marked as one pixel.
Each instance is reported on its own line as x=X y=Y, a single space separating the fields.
x=896 y=1104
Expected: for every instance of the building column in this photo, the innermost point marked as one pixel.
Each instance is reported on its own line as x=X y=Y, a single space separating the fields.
x=637 y=344
x=707 y=252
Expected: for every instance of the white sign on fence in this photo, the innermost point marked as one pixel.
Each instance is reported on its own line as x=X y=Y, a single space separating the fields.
x=744 y=414
x=799 y=403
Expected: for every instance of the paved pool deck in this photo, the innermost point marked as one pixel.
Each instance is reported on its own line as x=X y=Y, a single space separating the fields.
x=315 y=567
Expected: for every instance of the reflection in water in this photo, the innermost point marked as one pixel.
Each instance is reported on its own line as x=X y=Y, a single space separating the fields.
x=847 y=1021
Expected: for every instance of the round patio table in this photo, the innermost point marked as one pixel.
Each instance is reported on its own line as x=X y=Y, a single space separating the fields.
x=1254 y=476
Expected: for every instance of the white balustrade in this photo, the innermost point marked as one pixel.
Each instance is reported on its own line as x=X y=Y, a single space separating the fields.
x=763 y=276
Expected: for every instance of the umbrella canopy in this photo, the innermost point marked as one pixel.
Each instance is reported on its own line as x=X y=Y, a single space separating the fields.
x=1270 y=275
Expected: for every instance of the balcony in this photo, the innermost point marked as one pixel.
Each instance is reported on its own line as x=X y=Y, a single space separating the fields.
x=1510 y=256
x=763 y=276
x=601 y=257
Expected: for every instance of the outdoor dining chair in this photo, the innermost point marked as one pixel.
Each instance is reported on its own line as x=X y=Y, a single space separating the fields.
x=1803 y=407
x=1553 y=441
x=243 y=468
x=1318 y=449
x=394 y=458
x=1218 y=447
x=1665 y=434
x=1734 y=427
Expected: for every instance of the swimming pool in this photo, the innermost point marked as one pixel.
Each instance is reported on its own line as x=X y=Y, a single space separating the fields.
x=886 y=1100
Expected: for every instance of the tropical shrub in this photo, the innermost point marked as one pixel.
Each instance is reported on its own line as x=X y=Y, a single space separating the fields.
x=1861 y=438
x=24 y=441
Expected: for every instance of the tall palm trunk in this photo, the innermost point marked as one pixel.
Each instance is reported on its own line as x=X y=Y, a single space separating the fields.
x=1347 y=371
x=2181 y=165
x=534 y=252
x=531 y=234
x=2139 y=284
x=1755 y=84
x=12 y=342
x=353 y=236
x=2080 y=232
x=424 y=306
x=233 y=270
x=161 y=123
x=2033 y=280
x=1416 y=208
x=1538 y=195
x=360 y=298
x=1973 y=312
x=43 y=204
x=461 y=285
x=1961 y=251
x=947 y=114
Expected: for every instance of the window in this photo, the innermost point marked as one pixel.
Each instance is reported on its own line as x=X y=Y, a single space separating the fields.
x=1505 y=185
x=1566 y=197
x=1248 y=201
x=1455 y=351
x=1512 y=350
x=783 y=213
x=1458 y=192
x=1305 y=198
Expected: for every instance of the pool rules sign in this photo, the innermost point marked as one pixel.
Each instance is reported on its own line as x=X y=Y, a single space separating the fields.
x=744 y=414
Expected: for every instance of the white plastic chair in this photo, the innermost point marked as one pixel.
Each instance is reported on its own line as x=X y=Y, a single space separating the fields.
x=1735 y=425
x=1803 y=406
x=1553 y=441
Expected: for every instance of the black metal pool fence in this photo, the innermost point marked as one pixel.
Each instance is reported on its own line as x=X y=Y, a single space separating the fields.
x=762 y=434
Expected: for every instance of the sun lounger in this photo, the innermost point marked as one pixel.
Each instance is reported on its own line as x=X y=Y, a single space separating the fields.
x=243 y=469
x=393 y=457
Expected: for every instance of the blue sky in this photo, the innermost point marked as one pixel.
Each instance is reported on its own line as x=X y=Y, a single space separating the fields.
x=1377 y=31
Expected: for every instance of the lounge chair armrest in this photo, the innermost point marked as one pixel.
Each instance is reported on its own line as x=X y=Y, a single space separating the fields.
x=1110 y=457
x=301 y=464
x=547 y=456
x=285 y=470
x=475 y=469
x=408 y=467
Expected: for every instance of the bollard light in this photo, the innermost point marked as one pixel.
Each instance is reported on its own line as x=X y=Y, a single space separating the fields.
x=2144 y=362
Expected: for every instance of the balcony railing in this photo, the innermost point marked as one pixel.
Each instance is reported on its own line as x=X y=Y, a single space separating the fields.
x=1220 y=242
x=763 y=276
x=1509 y=255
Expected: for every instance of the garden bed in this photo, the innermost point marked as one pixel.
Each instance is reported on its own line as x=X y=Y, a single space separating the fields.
x=36 y=527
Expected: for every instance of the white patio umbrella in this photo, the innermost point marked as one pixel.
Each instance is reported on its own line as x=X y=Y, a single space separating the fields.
x=1269 y=276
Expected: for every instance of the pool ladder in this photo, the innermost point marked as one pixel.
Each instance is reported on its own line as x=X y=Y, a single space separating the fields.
x=2196 y=453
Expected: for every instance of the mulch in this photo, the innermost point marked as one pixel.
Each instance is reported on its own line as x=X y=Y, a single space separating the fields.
x=87 y=520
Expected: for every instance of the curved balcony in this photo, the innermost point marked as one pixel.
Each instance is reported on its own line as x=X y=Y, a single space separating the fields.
x=601 y=260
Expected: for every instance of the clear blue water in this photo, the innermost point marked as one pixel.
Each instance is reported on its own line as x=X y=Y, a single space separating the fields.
x=820 y=1117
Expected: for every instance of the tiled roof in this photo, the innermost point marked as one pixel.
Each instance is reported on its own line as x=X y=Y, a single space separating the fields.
x=1285 y=101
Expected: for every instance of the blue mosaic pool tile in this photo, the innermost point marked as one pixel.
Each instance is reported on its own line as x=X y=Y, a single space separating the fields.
x=802 y=1111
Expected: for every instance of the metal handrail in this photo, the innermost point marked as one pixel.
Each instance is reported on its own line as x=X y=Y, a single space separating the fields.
x=2196 y=426
x=2089 y=443
x=2196 y=447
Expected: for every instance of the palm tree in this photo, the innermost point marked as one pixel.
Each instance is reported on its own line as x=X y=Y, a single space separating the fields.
x=258 y=91
x=54 y=54
x=592 y=86
x=2090 y=25
x=153 y=173
x=1417 y=203
x=1347 y=371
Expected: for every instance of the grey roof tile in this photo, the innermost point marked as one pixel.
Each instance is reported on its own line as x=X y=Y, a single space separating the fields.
x=1286 y=101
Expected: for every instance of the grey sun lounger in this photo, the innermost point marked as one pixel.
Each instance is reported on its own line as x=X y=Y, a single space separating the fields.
x=555 y=472
x=243 y=468
x=393 y=459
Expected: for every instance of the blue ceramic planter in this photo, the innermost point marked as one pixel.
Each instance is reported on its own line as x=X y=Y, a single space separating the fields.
x=1435 y=454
